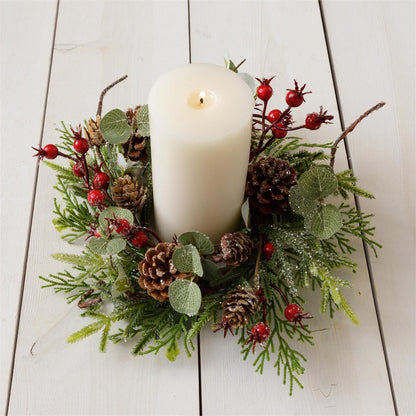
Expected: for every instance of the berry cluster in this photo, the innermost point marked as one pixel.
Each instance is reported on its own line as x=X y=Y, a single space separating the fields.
x=278 y=122
x=97 y=194
x=130 y=232
x=97 y=191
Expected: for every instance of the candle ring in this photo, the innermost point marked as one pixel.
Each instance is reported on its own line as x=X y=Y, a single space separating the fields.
x=213 y=218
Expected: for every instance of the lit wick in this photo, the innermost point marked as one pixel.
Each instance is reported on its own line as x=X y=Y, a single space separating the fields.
x=202 y=96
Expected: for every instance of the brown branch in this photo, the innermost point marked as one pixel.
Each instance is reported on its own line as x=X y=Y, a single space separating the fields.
x=280 y=291
x=83 y=303
x=265 y=129
x=86 y=172
x=256 y=270
x=150 y=231
x=350 y=129
x=105 y=90
x=238 y=66
x=131 y=296
x=100 y=157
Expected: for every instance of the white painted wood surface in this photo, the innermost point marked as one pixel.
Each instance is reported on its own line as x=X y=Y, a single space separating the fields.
x=385 y=71
x=98 y=41
x=26 y=32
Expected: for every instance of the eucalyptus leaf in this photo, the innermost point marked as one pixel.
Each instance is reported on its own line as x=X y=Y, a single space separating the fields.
x=249 y=80
x=232 y=66
x=115 y=246
x=185 y=297
x=97 y=245
x=121 y=284
x=172 y=351
x=114 y=127
x=143 y=120
x=186 y=259
x=245 y=213
x=326 y=222
x=318 y=182
x=199 y=240
x=114 y=212
x=301 y=205
x=212 y=273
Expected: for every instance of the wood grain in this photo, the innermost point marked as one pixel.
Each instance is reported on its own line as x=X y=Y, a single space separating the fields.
x=96 y=42
x=377 y=62
x=346 y=372
x=26 y=40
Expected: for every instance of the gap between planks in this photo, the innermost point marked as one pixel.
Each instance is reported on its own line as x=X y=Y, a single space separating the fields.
x=198 y=336
x=358 y=207
x=32 y=206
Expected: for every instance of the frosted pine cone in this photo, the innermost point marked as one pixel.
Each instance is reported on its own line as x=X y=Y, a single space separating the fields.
x=236 y=248
x=135 y=148
x=128 y=193
x=157 y=271
x=93 y=132
x=239 y=305
x=268 y=184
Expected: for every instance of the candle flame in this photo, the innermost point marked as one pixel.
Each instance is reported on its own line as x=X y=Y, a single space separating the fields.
x=202 y=95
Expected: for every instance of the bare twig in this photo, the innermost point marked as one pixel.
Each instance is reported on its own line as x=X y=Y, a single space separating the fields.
x=238 y=66
x=105 y=90
x=350 y=129
x=150 y=231
x=102 y=162
x=83 y=303
x=256 y=270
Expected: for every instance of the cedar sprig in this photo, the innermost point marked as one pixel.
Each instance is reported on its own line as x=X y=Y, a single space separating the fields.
x=75 y=216
x=347 y=185
x=358 y=225
x=287 y=359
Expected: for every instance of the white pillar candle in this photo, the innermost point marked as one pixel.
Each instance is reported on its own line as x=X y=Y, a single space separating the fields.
x=200 y=129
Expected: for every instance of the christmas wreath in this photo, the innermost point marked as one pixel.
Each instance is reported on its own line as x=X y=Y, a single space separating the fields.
x=163 y=293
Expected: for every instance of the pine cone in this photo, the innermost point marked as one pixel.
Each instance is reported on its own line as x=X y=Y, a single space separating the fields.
x=135 y=148
x=268 y=184
x=239 y=305
x=128 y=193
x=93 y=133
x=235 y=249
x=132 y=116
x=157 y=271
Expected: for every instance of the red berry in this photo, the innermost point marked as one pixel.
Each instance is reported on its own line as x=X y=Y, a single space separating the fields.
x=97 y=234
x=122 y=226
x=293 y=312
x=264 y=92
x=274 y=115
x=50 y=151
x=78 y=170
x=140 y=239
x=268 y=250
x=278 y=133
x=101 y=180
x=258 y=334
x=262 y=330
x=81 y=145
x=294 y=98
x=312 y=121
x=96 y=198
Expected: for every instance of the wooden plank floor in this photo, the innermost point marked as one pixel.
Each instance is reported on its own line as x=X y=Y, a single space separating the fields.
x=26 y=36
x=351 y=55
